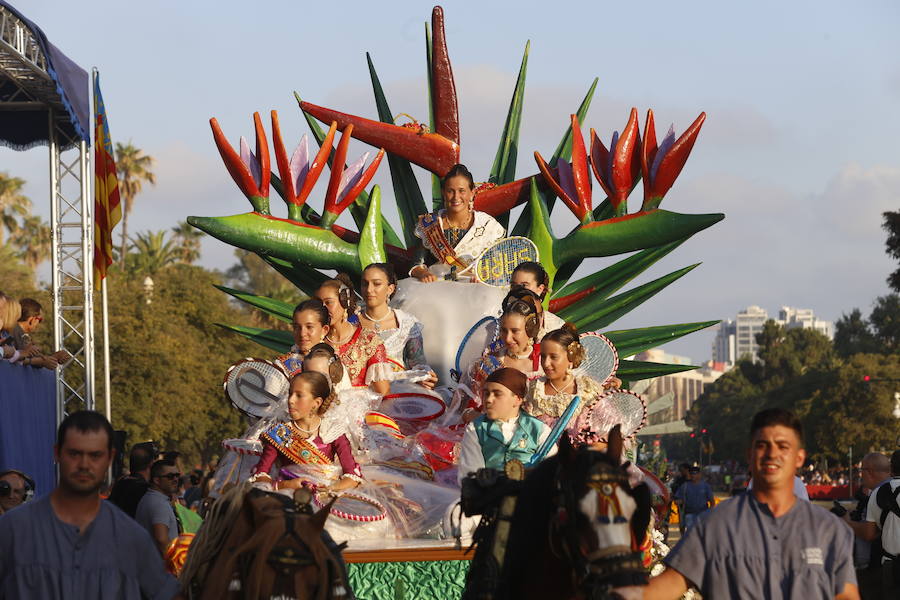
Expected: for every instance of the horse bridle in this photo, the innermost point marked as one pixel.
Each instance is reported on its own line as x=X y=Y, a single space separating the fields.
x=595 y=573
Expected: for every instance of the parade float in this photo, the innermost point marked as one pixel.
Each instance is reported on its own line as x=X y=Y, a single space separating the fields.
x=306 y=246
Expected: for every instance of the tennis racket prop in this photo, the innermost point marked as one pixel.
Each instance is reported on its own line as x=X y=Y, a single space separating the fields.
x=601 y=357
x=615 y=407
x=256 y=387
x=497 y=262
x=475 y=343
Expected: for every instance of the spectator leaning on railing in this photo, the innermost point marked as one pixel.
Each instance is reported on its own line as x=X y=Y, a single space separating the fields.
x=29 y=320
x=10 y=310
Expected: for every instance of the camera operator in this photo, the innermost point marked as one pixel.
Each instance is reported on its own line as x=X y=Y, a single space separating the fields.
x=15 y=488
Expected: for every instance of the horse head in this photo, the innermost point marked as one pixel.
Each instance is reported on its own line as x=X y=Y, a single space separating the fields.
x=264 y=545
x=600 y=521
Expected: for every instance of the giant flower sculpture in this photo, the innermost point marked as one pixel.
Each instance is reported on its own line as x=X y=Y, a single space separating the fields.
x=307 y=242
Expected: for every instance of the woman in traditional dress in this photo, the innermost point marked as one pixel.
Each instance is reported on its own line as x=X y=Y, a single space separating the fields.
x=457 y=234
x=301 y=442
x=311 y=323
x=549 y=395
x=516 y=348
x=360 y=350
x=400 y=331
x=532 y=276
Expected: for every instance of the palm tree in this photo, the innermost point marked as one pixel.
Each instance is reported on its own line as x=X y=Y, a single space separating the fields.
x=33 y=241
x=133 y=168
x=151 y=252
x=189 y=239
x=13 y=203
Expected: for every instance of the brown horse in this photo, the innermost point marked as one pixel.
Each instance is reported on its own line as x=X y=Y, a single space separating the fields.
x=255 y=545
x=574 y=532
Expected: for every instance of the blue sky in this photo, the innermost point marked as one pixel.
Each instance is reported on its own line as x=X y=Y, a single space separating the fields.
x=798 y=149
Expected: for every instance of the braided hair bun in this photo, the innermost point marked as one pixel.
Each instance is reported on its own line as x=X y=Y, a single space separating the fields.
x=567 y=337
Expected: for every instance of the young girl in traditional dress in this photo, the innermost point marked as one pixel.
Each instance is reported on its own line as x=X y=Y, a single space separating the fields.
x=361 y=351
x=400 y=331
x=549 y=395
x=532 y=276
x=516 y=348
x=301 y=444
x=453 y=237
x=310 y=325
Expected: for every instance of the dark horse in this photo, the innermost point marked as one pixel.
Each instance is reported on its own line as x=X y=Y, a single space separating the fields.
x=574 y=531
x=255 y=545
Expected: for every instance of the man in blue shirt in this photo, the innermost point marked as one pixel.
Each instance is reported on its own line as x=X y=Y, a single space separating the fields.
x=70 y=544
x=693 y=497
x=765 y=544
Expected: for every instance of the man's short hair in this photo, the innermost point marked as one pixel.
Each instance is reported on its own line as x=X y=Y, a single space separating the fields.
x=30 y=308
x=895 y=463
x=684 y=466
x=157 y=469
x=141 y=457
x=776 y=416
x=84 y=421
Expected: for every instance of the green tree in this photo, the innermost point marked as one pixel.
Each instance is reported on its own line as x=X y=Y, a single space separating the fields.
x=188 y=239
x=852 y=334
x=150 y=253
x=34 y=241
x=13 y=204
x=885 y=322
x=169 y=358
x=133 y=168
x=891 y=225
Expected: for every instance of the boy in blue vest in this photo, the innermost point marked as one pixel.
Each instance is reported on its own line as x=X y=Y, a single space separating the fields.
x=503 y=432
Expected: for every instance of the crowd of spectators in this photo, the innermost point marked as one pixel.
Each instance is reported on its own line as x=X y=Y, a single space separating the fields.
x=19 y=320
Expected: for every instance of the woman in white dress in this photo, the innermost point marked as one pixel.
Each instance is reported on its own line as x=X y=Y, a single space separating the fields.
x=454 y=236
x=400 y=331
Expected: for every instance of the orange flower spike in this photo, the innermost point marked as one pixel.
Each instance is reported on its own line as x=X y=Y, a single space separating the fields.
x=554 y=184
x=648 y=148
x=281 y=160
x=626 y=163
x=238 y=170
x=337 y=169
x=318 y=163
x=581 y=177
x=351 y=194
x=262 y=154
x=666 y=163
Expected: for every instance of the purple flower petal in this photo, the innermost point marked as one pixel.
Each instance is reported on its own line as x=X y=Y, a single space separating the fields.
x=351 y=176
x=299 y=164
x=662 y=151
x=566 y=182
x=249 y=159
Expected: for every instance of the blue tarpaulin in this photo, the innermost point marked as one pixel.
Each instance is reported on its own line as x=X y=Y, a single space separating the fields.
x=21 y=130
x=28 y=423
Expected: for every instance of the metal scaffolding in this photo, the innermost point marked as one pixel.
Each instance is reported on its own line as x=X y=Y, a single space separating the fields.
x=26 y=85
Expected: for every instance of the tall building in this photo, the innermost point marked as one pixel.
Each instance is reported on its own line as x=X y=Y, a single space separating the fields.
x=737 y=338
x=684 y=387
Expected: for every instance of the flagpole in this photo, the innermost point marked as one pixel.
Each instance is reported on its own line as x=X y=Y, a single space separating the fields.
x=106 y=388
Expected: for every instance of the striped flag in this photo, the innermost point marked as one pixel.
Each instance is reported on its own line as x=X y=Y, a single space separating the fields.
x=107 y=210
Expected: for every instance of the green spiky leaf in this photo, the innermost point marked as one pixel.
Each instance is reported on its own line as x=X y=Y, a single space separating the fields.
x=278 y=309
x=504 y=168
x=613 y=277
x=306 y=279
x=635 y=370
x=371 y=238
x=629 y=342
x=274 y=339
x=596 y=313
x=602 y=212
x=407 y=194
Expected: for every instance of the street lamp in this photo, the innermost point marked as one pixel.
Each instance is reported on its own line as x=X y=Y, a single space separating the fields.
x=148 y=289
